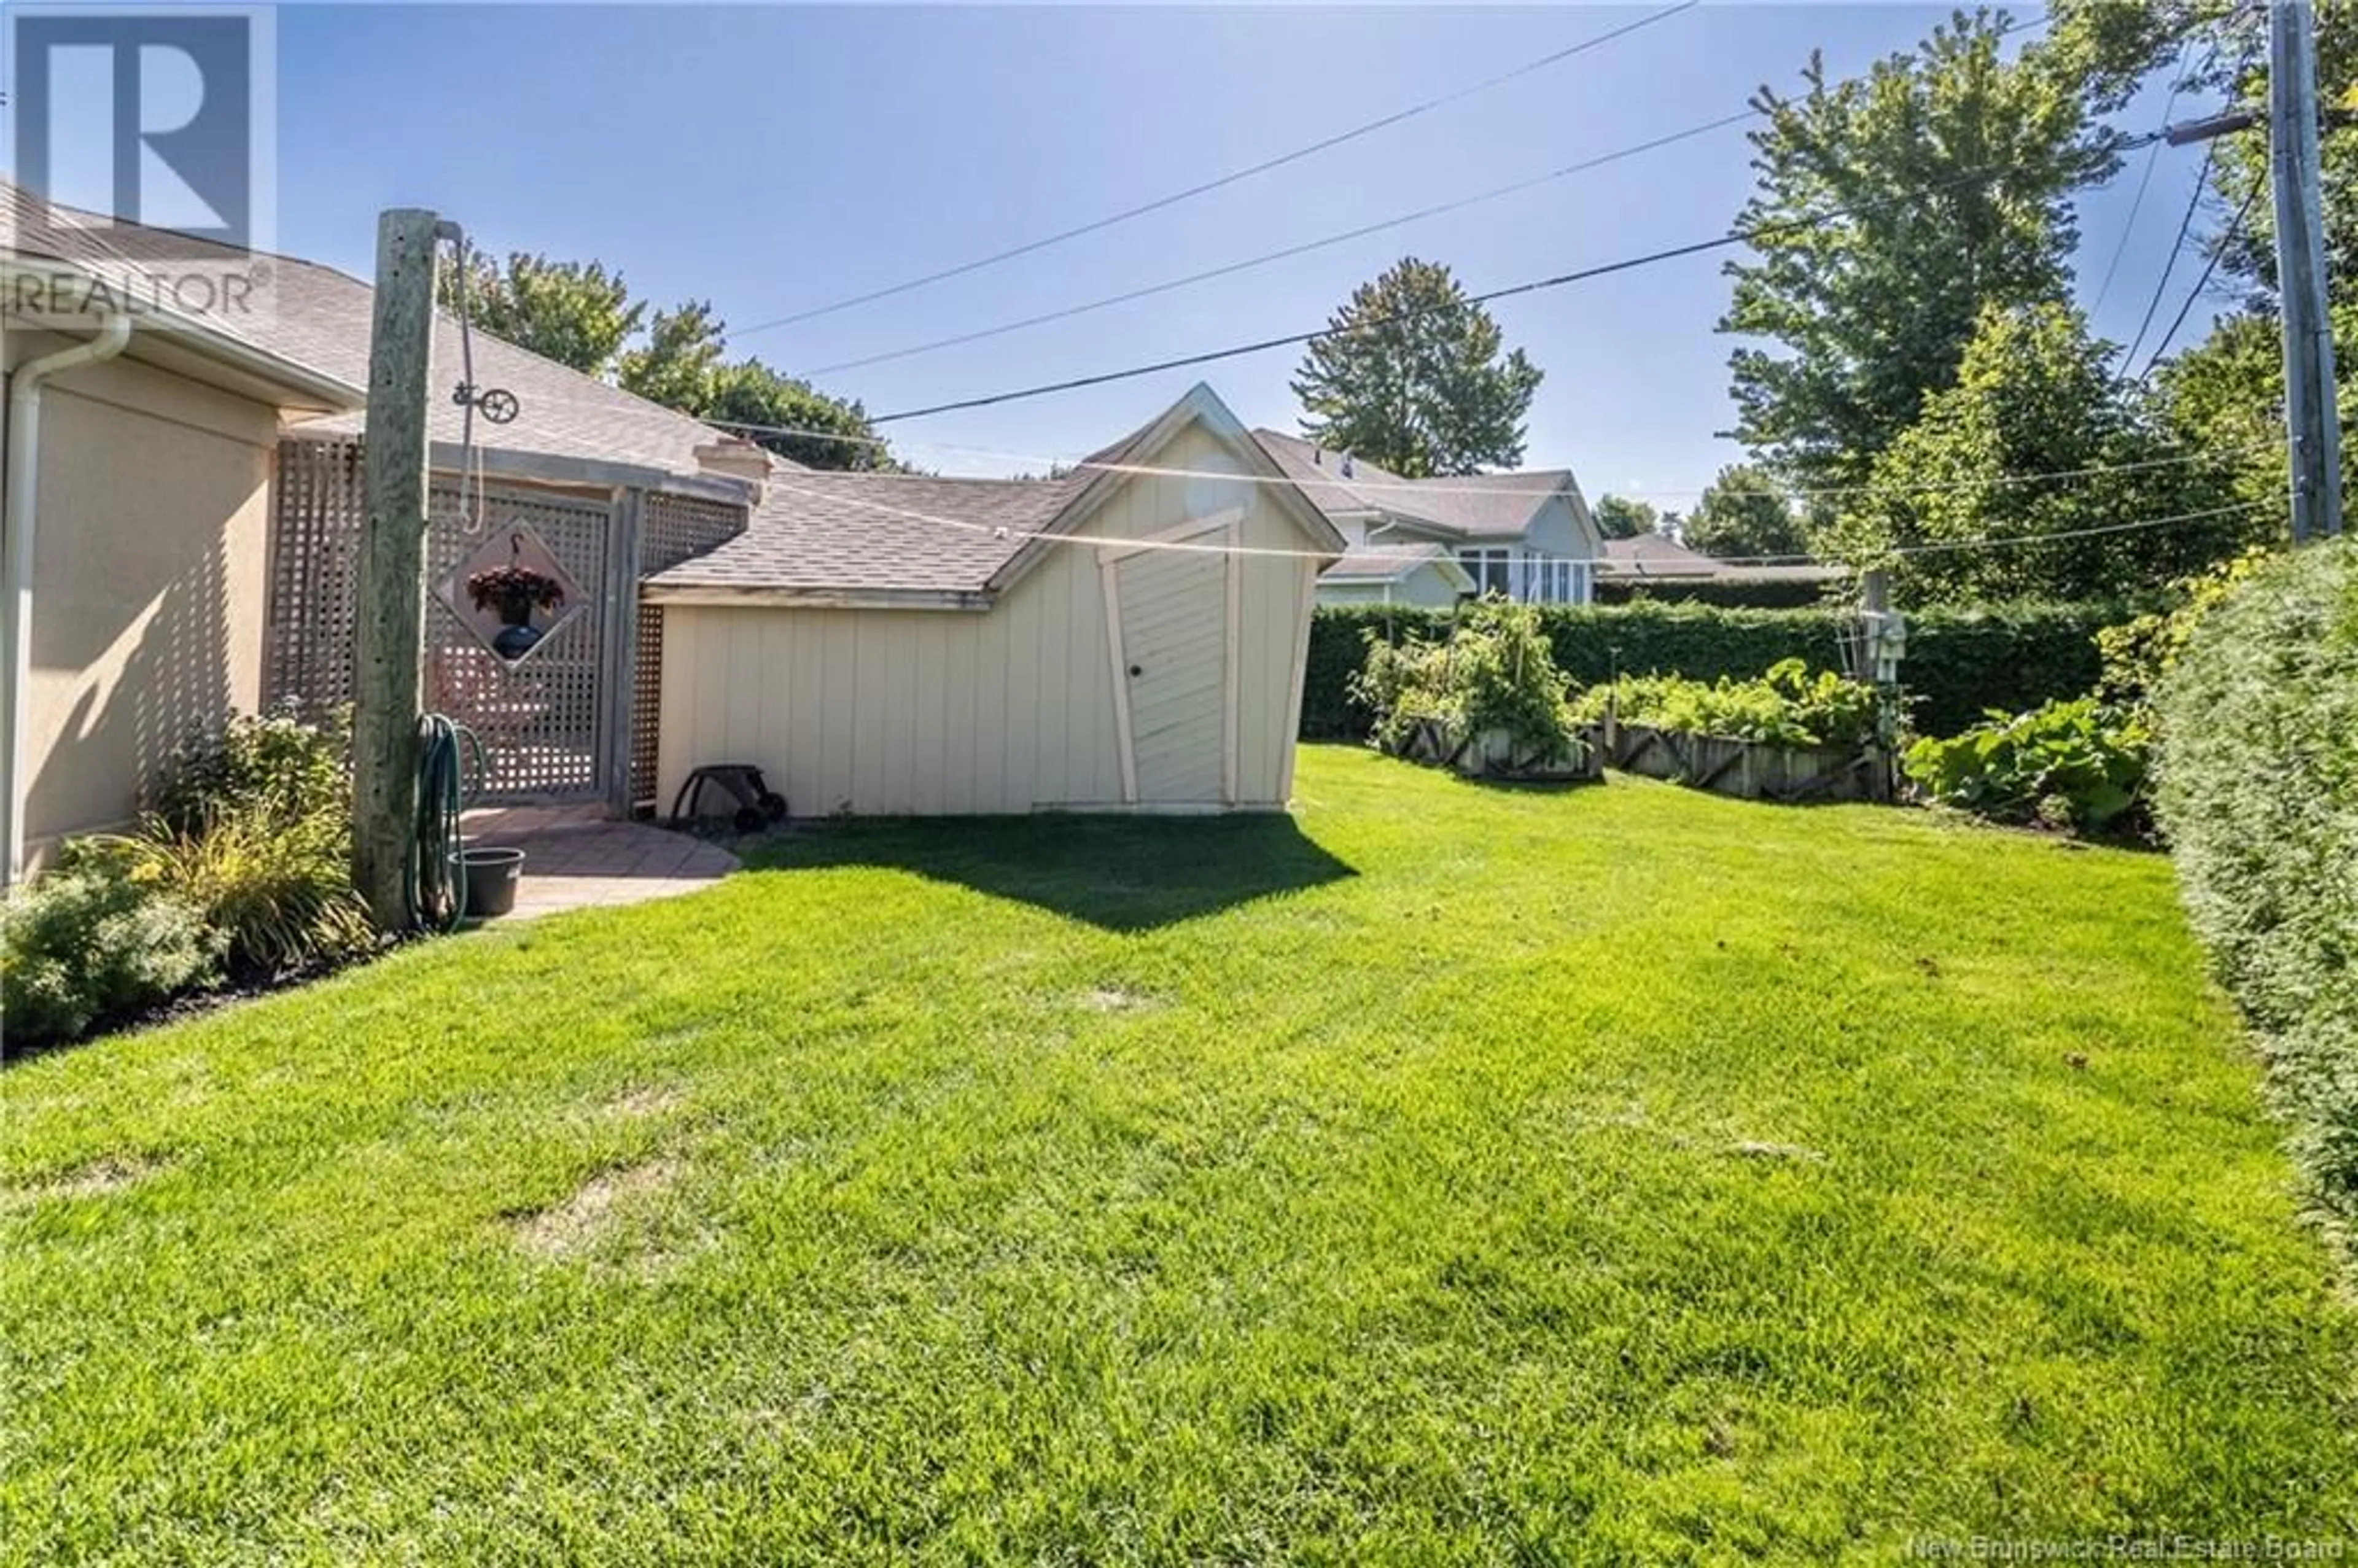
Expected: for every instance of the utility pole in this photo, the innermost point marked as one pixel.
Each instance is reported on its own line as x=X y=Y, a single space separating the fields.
x=2312 y=425
x=388 y=627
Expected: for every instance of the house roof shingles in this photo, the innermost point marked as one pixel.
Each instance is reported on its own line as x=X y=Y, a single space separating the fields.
x=1487 y=506
x=321 y=318
x=1384 y=563
x=1653 y=556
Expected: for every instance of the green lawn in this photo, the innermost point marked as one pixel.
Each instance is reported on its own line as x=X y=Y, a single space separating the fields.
x=1446 y=1173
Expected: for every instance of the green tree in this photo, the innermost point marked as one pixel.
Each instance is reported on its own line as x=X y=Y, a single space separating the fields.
x=677 y=365
x=751 y=394
x=1618 y=517
x=1951 y=168
x=2035 y=394
x=580 y=314
x=575 y=313
x=2226 y=395
x=1411 y=374
x=1743 y=515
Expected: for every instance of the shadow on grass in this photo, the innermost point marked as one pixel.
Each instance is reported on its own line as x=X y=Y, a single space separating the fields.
x=1123 y=873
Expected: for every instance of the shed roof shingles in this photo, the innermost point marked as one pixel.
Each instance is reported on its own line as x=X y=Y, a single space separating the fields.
x=878 y=532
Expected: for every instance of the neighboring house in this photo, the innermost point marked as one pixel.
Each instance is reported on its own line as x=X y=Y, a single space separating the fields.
x=184 y=509
x=1527 y=536
x=1656 y=565
x=909 y=644
x=1426 y=575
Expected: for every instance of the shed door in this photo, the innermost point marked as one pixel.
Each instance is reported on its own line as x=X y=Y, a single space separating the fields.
x=1173 y=611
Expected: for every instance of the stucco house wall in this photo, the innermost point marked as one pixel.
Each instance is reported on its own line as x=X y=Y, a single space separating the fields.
x=152 y=565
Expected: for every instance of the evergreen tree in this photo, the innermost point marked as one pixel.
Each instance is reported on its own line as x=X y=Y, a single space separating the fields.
x=1409 y=374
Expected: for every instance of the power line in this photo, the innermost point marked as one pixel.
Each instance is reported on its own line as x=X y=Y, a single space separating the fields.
x=1432 y=487
x=2234 y=229
x=2145 y=178
x=1437 y=209
x=1229 y=270
x=1009 y=533
x=2161 y=284
x=1290 y=339
x=1202 y=188
x=1998 y=541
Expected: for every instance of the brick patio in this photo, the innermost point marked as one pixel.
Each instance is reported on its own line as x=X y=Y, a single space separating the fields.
x=577 y=857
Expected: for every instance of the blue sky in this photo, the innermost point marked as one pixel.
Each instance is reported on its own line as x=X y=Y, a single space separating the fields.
x=776 y=158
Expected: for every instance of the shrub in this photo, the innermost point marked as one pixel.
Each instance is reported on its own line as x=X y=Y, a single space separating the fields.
x=279 y=892
x=1960 y=664
x=2079 y=766
x=254 y=827
x=1786 y=706
x=286 y=766
x=90 y=943
x=2136 y=654
x=2258 y=791
x=1495 y=673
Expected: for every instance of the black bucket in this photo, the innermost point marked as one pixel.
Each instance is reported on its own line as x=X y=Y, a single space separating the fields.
x=492 y=875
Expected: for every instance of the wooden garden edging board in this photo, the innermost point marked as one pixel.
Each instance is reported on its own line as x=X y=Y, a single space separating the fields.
x=1751 y=769
x=1493 y=754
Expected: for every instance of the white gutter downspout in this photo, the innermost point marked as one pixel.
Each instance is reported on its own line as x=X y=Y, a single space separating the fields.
x=16 y=585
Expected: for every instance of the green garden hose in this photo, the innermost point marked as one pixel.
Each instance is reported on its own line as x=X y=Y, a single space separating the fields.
x=437 y=882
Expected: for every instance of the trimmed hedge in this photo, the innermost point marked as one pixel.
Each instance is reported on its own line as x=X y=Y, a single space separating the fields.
x=1772 y=595
x=2258 y=794
x=1960 y=663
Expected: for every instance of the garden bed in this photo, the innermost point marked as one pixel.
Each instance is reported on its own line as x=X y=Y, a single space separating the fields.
x=1497 y=754
x=1748 y=770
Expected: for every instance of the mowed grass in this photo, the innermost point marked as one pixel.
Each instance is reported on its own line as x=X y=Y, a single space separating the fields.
x=1443 y=1174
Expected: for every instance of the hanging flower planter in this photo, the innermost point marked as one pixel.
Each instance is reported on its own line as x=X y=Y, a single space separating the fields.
x=516 y=593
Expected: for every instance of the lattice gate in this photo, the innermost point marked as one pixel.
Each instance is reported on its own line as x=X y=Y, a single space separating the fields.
x=541 y=721
x=574 y=721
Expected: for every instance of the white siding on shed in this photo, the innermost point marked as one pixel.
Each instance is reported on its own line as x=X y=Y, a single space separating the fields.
x=886 y=711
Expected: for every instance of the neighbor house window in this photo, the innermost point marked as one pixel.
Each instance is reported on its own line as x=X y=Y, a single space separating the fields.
x=1548 y=579
x=1490 y=569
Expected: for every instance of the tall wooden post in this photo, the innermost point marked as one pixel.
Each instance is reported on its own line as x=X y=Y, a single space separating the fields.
x=2312 y=428
x=388 y=628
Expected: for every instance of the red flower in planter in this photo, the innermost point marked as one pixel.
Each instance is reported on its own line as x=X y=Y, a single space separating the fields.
x=514 y=585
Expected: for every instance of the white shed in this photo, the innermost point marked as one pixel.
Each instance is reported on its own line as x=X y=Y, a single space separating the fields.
x=907 y=644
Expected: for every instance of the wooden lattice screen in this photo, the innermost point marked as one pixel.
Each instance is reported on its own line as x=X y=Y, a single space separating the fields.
x=549 y=724
x=672 y=528
x=540 y=723
x=315 y=551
